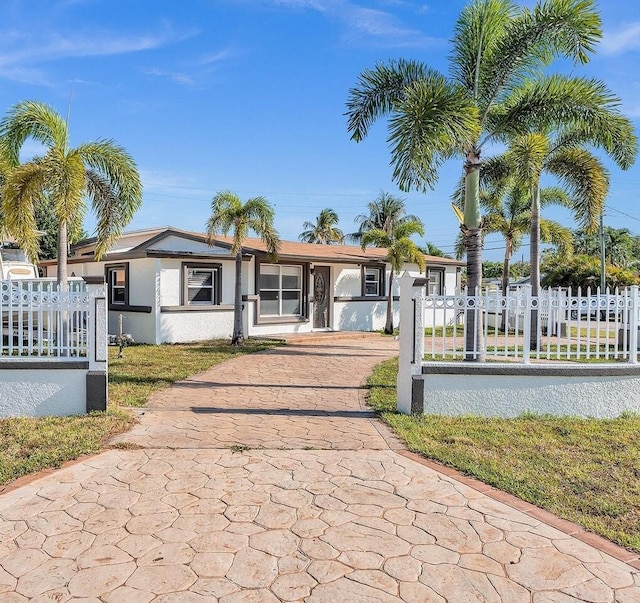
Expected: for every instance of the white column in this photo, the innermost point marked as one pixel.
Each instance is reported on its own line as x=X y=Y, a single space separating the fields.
x=411 y=338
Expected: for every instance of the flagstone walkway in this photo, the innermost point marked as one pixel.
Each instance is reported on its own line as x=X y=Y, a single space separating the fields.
x=267 y=479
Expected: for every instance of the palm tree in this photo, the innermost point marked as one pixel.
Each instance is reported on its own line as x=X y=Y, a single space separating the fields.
x=385 y=212
x=99 y=171
x=400 y=249
x=566 y=156
x=497 y=88
x=229 y=214
x=510 y=216
x=325 y=230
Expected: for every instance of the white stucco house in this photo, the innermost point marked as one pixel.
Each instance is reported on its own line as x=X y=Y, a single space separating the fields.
x=172 y=286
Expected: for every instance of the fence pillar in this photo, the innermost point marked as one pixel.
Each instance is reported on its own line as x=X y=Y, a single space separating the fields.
x=97 y=340
x=412 y=293
x=634 y=322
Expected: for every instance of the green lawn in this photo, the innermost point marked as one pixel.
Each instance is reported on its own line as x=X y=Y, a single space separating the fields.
x=28 y=445
x=585 y=470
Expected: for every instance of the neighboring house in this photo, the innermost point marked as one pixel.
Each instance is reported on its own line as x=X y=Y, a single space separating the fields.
x=171 y=286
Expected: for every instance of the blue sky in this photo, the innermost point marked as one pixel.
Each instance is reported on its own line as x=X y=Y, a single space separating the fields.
x=249 y=95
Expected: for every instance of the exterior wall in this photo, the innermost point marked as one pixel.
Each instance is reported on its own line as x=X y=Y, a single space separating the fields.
x=509 y=391
x=142 y=292
x=186 y=325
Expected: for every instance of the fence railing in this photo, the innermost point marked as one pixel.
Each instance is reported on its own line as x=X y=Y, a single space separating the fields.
x=40 y=320
x=555 y=325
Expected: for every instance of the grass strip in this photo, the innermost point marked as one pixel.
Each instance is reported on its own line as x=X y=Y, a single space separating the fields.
x=584 y=470
x=30 y=444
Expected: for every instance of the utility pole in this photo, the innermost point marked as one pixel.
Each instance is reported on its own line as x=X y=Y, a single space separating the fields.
x=603 y=276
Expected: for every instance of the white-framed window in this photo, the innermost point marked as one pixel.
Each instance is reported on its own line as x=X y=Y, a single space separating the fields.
x=372 y=281
x=118 y=285
x=201 y=284
x=280 y=290
x=436 y=282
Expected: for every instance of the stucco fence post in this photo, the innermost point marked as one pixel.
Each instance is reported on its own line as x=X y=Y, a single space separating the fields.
x=410 y=384
x=97 y=339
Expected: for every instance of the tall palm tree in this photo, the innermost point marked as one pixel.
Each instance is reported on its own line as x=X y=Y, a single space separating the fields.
x=325 y=230
x=565 y=155
x=510 y=216
x=400 y=249
x=229 y=214
x=385 y=212
x=100 y=171
x=497 y=87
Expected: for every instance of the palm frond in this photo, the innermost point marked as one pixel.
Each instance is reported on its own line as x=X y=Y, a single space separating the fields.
x=378 y=92
x=586 y=178
x=556 y=234
x=479 y=28
x=434 y=121
x=31 y=119
x=225 y=209
x=20 y=193
x=554 y=195
x=531 y=40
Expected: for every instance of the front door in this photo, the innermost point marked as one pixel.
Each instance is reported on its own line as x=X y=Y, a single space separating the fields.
x=321 y=286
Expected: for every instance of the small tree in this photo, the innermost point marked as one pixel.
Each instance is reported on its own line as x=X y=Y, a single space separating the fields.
x=400 y=249
x=229 y=214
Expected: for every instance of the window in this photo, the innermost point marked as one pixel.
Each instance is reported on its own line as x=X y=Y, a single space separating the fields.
x=373 y=281
x=436 y=281
x=201 y=284
x=118 y=284
x=280 y=290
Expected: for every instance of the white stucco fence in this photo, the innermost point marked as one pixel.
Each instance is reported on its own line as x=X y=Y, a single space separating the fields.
x=39 y=389
x=40 y=379
x=508 y=389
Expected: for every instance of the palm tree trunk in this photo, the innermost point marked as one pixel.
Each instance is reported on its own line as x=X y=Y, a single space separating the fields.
x=63 y=242
x=63 y=285
x=473 y=244
x=505 y=282
x=238 y=336
x=535 y=260
x=388 y=327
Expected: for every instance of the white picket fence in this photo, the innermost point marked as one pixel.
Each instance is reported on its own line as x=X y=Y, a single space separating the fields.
x=40 y=320
x=552 y=326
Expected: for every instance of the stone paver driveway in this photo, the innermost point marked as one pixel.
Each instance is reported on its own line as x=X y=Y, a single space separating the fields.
x=321 y=507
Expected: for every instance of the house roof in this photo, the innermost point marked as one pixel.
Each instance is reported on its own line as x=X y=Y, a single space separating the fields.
x=311 y=252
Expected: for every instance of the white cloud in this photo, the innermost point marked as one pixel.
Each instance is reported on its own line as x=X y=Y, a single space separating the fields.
x=368 y=25
x=621 y=40
x=21 y=54
x=180 y=78
x=219 y=56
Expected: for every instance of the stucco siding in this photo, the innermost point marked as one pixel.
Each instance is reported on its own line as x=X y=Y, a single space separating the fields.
x=41 y=392
x=538 y=390
x=360 y=315
x=187 y=326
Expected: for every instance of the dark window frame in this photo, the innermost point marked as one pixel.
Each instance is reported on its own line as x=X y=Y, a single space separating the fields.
x=441 y=272
x=382 y=273
x=304 y=294
x=109 y=269
x=216 y=268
